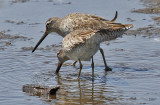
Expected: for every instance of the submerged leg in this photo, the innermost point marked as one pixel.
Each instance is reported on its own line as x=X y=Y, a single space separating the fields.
x=80 y=64
x=92 y=67
x=74 y=63
x=105 y=64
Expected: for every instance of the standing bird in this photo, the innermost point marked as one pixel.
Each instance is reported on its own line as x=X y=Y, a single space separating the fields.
x=82 y=44
x=76 y=21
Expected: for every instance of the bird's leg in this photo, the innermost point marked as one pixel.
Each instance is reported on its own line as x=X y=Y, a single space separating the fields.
x=80 y=64
x=105 y=64
x=92 y=67
x=74 y=63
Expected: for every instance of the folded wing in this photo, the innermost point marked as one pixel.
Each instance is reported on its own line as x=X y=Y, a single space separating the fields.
x=80 y=36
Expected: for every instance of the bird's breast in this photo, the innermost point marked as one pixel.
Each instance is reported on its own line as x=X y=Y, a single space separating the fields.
x=84 y=52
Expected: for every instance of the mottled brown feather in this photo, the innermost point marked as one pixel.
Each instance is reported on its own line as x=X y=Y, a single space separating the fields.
x=77 y=37
x=80 y=36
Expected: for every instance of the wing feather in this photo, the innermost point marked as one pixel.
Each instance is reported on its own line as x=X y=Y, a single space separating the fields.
x=82 y=21
x=77 y=37
x=81 y=36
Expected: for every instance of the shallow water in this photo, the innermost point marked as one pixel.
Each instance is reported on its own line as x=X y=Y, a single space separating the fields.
x=134 y=59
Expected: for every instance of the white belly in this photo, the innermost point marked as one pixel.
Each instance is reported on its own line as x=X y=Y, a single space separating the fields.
x=84 y=52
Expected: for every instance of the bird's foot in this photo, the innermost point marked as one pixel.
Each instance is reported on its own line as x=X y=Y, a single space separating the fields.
x=74 y=63
x=108 y=69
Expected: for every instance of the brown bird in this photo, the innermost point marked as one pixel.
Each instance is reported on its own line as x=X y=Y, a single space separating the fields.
x=82 y=44
x=75 y=21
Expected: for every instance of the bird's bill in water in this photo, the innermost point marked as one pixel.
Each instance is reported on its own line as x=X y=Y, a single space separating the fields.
x=59 y=67
x=39 y=42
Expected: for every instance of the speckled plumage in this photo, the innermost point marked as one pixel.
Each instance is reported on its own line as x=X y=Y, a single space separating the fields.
x=83 y=33
x=88 y=40
x=82 y=44
x=74 y=21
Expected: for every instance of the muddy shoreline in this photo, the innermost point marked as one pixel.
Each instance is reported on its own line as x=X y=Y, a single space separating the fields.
x=152 y=7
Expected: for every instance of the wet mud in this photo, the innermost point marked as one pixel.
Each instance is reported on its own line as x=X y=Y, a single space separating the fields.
x=7 y=40
x=54 y=2
x=47 y=92
x=46 y=48
x=152 y=7
x=13 y=22
x=151 y=30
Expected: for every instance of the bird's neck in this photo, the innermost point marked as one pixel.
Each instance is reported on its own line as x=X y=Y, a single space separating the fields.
x=58 y=28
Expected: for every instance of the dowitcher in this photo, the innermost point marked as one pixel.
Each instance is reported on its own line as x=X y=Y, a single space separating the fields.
x=82 y=44
x=75 y=21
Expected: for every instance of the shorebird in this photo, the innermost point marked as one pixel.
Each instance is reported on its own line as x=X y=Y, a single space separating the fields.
x=75 y=21
x=82 y=44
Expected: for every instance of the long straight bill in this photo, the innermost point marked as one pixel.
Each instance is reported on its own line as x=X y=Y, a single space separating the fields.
x=58 y=67
x=39 y=42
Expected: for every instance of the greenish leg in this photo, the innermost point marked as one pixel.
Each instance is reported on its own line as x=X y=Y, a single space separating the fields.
x=74 y=63
x=92 y=67
x=80 y=64
x=105 y=64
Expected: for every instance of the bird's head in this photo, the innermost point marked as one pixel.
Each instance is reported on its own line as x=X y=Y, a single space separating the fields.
x=62 y=58
x=51 y=26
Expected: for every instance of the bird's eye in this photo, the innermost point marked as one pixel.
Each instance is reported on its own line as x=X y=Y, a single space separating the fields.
x=47 y=24
x=58 y=53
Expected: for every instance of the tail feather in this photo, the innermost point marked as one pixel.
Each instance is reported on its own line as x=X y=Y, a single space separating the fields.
x=115 y=17
x=117 y=26
x=113 y=32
